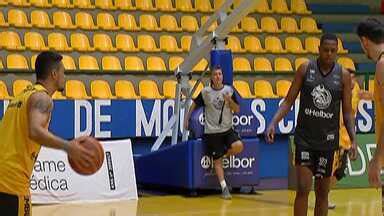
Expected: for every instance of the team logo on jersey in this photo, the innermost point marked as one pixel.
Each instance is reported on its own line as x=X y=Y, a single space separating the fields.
x=322 y=98
x=311 y=76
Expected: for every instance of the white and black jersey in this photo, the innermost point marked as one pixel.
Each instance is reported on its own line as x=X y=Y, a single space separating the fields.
x=319 y=113
x=218 y=115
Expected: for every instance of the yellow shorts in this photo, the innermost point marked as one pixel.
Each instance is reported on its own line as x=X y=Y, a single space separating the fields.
x=13 y=205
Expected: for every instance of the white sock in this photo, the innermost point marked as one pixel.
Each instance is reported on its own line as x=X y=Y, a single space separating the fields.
x=223 y=184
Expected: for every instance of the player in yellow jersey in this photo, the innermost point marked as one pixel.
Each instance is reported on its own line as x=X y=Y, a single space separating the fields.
x=24 y=128
x=346 y=148
x=371 y=33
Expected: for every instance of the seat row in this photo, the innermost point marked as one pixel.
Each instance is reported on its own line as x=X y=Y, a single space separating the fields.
x=204 y=6
x=156 y=63
x=106 y=21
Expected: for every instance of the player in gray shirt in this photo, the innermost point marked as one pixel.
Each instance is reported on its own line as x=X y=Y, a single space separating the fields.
x=219 y=102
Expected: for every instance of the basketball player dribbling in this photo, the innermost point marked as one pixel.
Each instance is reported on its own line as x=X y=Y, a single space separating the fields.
x=323 y=85
x=24 y=128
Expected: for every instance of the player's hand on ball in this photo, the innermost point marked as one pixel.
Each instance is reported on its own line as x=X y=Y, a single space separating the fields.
x=374 y=172
x=79 y=153
x=353 y=151
x=270 y=134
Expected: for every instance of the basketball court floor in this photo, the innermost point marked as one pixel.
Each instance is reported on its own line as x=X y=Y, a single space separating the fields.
x=351 y=202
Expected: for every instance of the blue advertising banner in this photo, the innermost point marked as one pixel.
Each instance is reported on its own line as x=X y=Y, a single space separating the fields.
x=147 y=118
x=239 y=170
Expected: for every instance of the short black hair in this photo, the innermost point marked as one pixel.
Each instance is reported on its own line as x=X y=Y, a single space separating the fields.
x=372 y=29
x=328 y=36
x=46 y=62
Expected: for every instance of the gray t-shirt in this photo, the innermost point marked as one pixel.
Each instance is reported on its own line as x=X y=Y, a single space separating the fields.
x=218 y=115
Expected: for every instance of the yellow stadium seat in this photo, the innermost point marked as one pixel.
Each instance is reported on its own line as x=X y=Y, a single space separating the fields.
x=203 y=6
x=100 y=90
x=169 y=89
x=262 y=7
x=282 y=65
x=263 y=89
x=249 y=24
x=87 y=62
x=340 y=48
x=103 y=43
x=252 y=44
x=347 y=63
x=211 y=28
x=85 y=21
x=289 y=25
x=169 y=23
x=169 y=44
x=269 y=24
x=262 y=64
x=146 y=43
x=236 y=29
x=18 y=18
x=282 y=87
x=2 y=20
x=124 y=5
x=189 y=24
x=241 y=64
x=69 y=63
x=111 y=63
x=280 y=6
x=185 y=6
x=124 y=42
x=300 y=61
x=234 y=44
x=33 y=61
x=19 y=3
x=34 y=41
x=145 y=5
x=58 y=42
x=312 y=44
x=83 y=4
x=164 y=5
x=293 y=45
x=63 y=20
x=309 y=25
x=80 y=42
x=75 y=89
x=40 y=19
x=200 y=87
x=17 y=62
x=58 y=96
x=201 y=65
x=371 y=86
x=1 y=65
x=127 y=22
x=174 y=61
x=106 y=21
x=217 y=4
x=148 y=23
x=299 y=7
x=105 y=4
x=273 y=45
x=124 y=89
x=10 y=41
x=134 y=63
x=186 y=42
x=3 y=2
x=148 y=90
x=62 y=4
x=242 y=87
x=19 y=86
x=155 y=63
x=4 y=92
x=40 y=3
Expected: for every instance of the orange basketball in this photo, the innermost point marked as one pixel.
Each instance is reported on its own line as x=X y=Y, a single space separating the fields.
x=93 y=145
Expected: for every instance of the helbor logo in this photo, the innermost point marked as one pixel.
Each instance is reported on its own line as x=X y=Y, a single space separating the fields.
x=231 y=162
